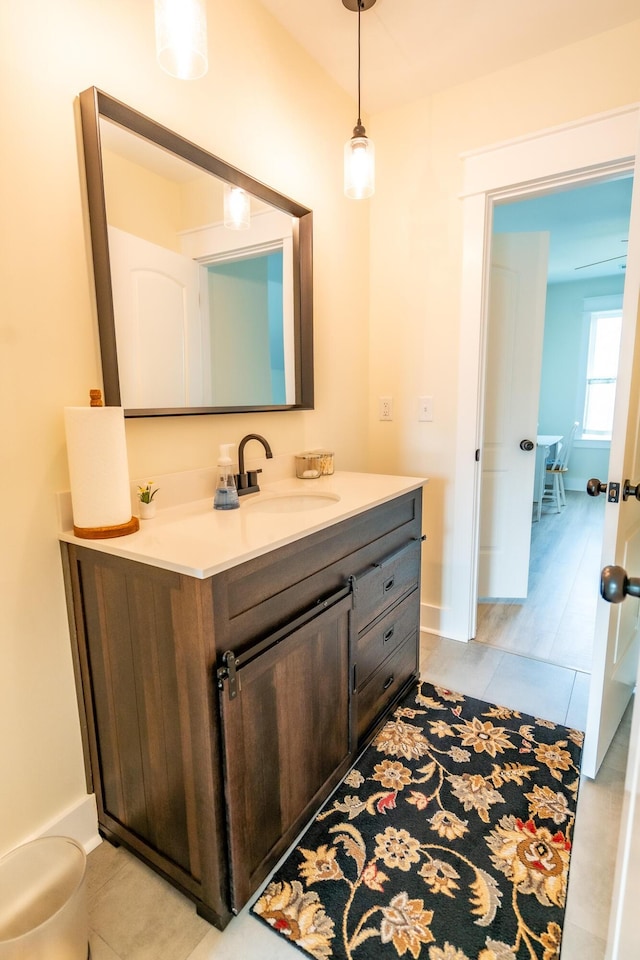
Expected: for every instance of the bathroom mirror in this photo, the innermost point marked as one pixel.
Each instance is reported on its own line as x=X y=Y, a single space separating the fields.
x=203 y=275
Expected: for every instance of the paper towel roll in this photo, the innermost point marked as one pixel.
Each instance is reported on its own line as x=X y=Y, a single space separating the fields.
x=98 y=468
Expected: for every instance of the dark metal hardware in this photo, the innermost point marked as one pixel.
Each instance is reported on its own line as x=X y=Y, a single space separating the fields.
x=247 y=482
x=527 y=445
x=628 y=490
x=387 y=636
x=615 y=585
x=477 y=456
x=388 y=584
x=388 y=682
x=596 y=487
x=228 y=672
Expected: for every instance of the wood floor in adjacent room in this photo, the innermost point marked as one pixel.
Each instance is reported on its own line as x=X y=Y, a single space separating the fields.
x=555 y=622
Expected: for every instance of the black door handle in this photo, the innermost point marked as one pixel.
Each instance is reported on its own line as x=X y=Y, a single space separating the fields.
x=527 y=445
x=615 y=585
x=596 y=487
x=628 y=490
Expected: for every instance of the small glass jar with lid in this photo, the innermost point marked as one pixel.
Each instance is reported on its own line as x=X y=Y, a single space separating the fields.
x=313 y=464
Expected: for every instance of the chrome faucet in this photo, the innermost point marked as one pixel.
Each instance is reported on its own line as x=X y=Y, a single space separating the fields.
x=247 y=482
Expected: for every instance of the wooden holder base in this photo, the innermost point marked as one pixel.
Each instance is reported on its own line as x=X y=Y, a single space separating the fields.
x=106 y=533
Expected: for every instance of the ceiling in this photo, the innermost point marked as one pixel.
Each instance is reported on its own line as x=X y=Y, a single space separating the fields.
x=413 y=48
x=588 y=228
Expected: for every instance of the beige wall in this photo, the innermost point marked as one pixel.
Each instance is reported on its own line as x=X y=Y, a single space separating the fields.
x=265 y=108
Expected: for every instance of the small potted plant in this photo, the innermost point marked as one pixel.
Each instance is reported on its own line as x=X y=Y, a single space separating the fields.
x=147 y=505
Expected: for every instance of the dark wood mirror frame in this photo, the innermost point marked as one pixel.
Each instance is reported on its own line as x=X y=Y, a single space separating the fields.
x=95 y=104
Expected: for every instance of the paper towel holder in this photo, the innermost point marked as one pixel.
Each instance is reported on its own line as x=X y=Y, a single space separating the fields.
x=113 y=530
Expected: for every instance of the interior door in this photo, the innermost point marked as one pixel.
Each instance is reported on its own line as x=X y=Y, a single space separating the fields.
x=624 y=934
x=616 y=636
x=162 y=339
x=515 y=331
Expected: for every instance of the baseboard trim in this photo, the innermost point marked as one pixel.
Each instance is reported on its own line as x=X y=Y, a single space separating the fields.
x=79 y=821
x=440 y=622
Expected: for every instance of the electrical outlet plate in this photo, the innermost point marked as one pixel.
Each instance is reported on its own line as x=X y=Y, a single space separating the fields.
x=385 y=408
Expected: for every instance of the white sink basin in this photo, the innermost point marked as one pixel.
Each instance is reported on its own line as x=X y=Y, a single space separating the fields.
x=291 y=502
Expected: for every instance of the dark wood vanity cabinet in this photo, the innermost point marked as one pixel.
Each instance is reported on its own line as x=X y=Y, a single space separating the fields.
x=220 y=713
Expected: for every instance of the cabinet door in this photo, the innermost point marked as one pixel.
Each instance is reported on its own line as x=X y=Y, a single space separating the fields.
x=286 y=742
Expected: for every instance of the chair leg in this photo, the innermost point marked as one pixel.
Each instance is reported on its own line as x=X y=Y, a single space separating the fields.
x=556 y=490
x=563 y=496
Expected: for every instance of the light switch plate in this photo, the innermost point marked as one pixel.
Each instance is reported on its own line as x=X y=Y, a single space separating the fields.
x=425 y=408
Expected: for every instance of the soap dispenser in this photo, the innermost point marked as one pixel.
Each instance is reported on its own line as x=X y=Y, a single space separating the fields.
x=226 y=495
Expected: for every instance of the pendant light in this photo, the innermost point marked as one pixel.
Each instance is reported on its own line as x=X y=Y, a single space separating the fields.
x=181 y=37
x=237 y=208
x=359 y=152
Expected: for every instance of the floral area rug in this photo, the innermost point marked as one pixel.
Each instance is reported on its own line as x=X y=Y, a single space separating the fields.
x=449 y=840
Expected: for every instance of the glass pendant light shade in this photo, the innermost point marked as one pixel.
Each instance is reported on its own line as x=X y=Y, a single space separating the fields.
x=359 y=165
x=237 y=213
x=181 y=37
x=359 y=152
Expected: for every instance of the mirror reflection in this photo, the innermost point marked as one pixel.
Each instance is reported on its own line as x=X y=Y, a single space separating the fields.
x=203 y=283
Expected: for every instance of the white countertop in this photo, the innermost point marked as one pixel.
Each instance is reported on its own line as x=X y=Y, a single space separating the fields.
x=195 y=539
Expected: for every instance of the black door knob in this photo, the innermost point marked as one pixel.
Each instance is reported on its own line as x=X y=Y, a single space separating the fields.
x=615 y=585
x=629 y=490
x=595 y=487
x=527 y=445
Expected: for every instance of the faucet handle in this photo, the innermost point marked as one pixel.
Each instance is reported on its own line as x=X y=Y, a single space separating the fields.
x=242 y=481
x=247 y=482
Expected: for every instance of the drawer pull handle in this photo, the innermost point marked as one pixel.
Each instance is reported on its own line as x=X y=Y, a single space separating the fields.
x=388 y=635
x=388 y=683
x=389 y=584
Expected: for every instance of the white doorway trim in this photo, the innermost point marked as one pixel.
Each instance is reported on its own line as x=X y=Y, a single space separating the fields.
x=596 y=147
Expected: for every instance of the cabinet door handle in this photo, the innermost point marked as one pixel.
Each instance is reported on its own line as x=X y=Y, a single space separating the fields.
x=389 y=584
x=388 y=635
x=388 y=683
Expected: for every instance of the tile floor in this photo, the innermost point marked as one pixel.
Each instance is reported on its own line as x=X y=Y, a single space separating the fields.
x=134 y=915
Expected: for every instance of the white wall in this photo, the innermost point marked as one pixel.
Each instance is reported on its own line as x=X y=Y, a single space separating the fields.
x=263 y=107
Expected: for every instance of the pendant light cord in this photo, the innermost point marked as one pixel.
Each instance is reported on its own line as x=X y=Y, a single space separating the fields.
x=359 y=9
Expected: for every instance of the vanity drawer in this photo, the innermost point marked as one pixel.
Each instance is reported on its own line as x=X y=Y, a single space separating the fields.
x=386 y=683
x=385 y=636
x=385 y=583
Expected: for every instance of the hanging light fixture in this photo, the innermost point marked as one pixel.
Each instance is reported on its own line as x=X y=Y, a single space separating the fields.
x=359 y=152
x=237 y=211
x=181 y=37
